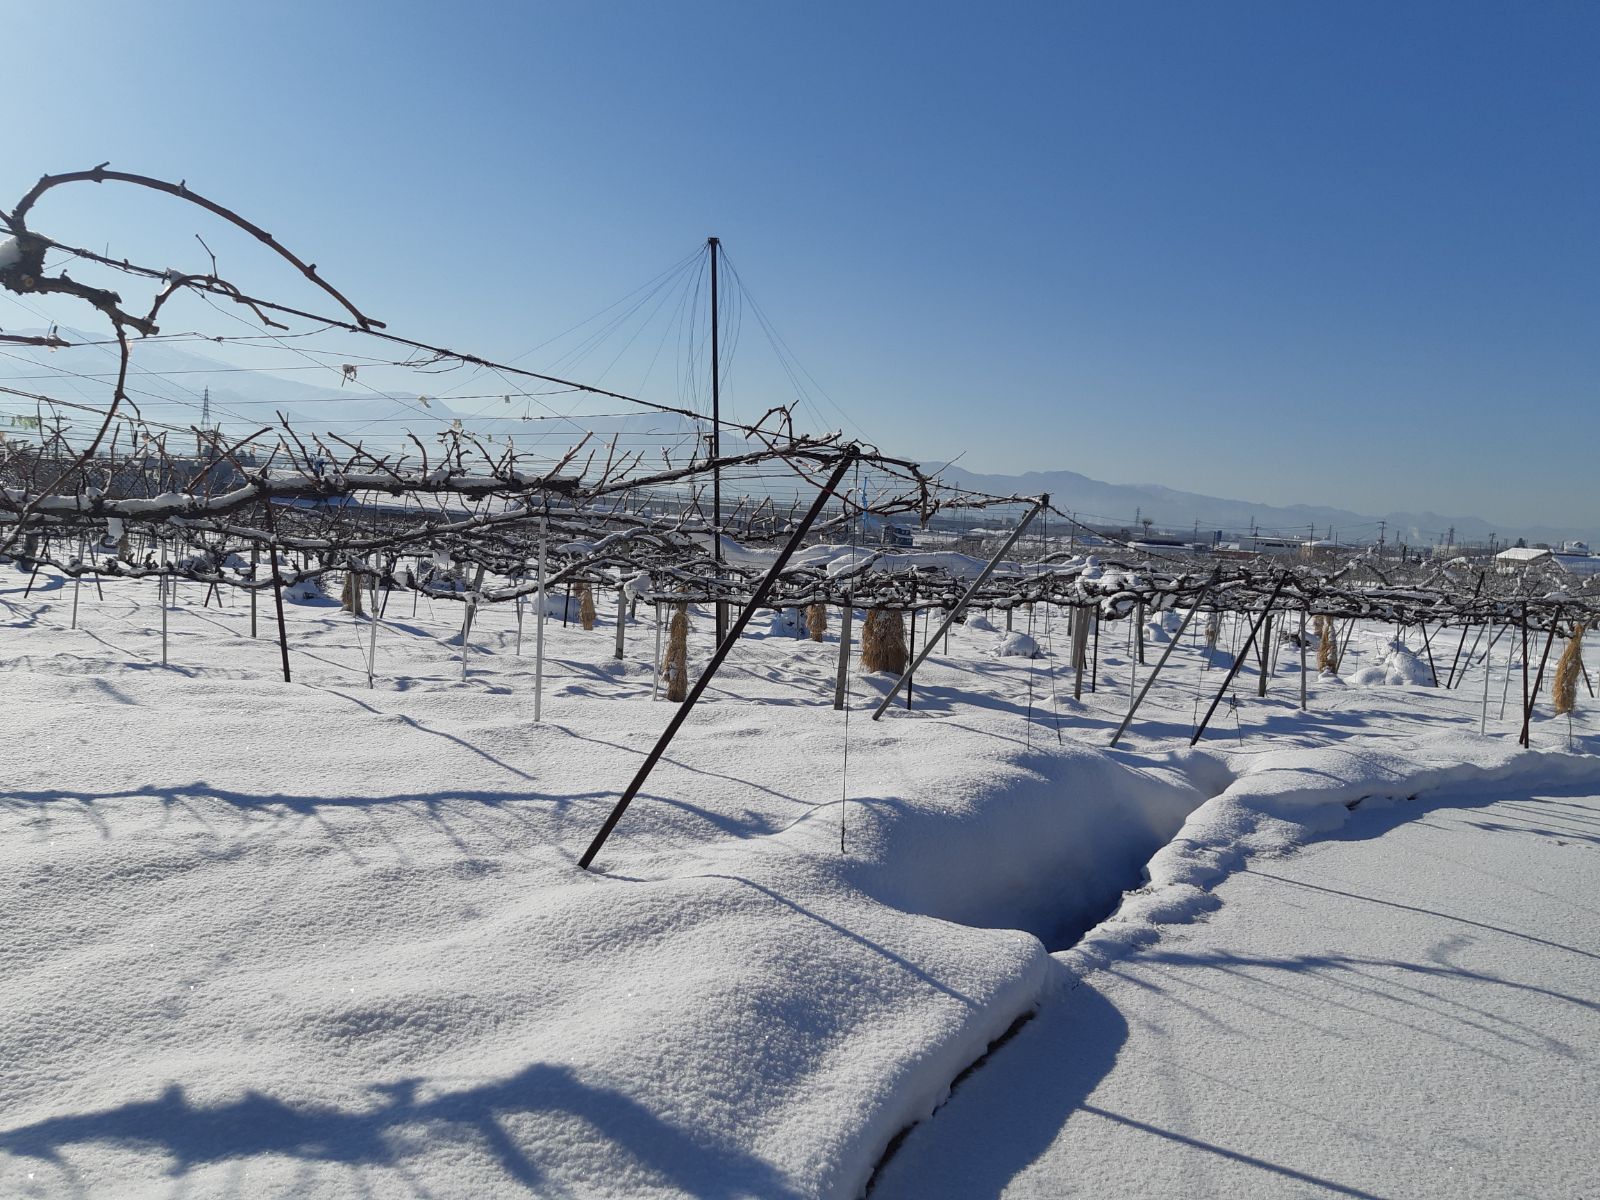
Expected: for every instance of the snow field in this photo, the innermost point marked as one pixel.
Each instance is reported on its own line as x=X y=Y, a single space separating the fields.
x=313 y=939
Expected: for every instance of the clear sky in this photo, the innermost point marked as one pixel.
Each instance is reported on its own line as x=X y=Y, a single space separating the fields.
x=1339 y=253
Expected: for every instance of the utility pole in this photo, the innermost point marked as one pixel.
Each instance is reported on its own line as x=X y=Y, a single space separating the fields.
x=1383 y=527
x=714 y=245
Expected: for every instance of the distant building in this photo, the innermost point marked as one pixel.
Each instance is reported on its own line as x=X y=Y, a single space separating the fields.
x=1521 y=558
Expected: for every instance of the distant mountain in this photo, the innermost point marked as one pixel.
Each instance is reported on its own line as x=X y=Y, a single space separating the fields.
x=1101 y=503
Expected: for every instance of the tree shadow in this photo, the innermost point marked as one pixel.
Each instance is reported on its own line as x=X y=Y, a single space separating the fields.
x=386 y=1134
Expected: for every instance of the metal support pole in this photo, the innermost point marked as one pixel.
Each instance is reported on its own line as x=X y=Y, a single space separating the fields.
x=1527 y=714
x=622 y=620
x=1488 y=670
x=713 y=245
x=1471 y=655
x=277 y=599
x=655 y=683
x=1160 y=662
x=681 y=714
x=1262 y=653
x=1527 y=704
x=372 y=633
x=1238 y=660
x=842 y=676
x=164 y=586
x=1428 y=646
x=912 y=645
x=1302 y=660
x=538 y=630
x=971 y=589
x=1080 y=649
x=520 y=606
x=1451 y=679
x=77 y=581
x=1094 y=665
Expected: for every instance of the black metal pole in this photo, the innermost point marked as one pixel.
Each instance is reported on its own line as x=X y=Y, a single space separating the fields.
x=763 y=590
x=1238 y=660
x=277 y=592
x=1428 y=646
x=961 y=605
x=277 y=599
x=1094 y=667
x=716 y=441
x=1450 y=682
x=1264 y=655
x=1161 y=662
x=912 y=648
x=1527 y=715
x=1527 y=705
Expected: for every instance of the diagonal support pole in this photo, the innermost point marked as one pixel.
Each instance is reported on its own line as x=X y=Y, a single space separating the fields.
x=1238 y=660
x=763 y=590
x=961 y=605
x=1161 y=662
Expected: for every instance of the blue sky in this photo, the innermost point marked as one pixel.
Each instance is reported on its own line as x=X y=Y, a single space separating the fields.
x=1329 y=253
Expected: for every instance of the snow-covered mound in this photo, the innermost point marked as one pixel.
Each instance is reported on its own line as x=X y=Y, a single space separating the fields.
x=1016 y=645
x=1397 y=666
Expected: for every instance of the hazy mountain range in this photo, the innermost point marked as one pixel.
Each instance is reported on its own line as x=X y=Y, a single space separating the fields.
x=1099 y=503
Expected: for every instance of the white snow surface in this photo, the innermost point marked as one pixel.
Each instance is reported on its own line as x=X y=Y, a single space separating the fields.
x=1406 y=1008
x=312 y=939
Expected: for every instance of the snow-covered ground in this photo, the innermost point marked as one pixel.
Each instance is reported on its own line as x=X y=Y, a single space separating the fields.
x=320 y=940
